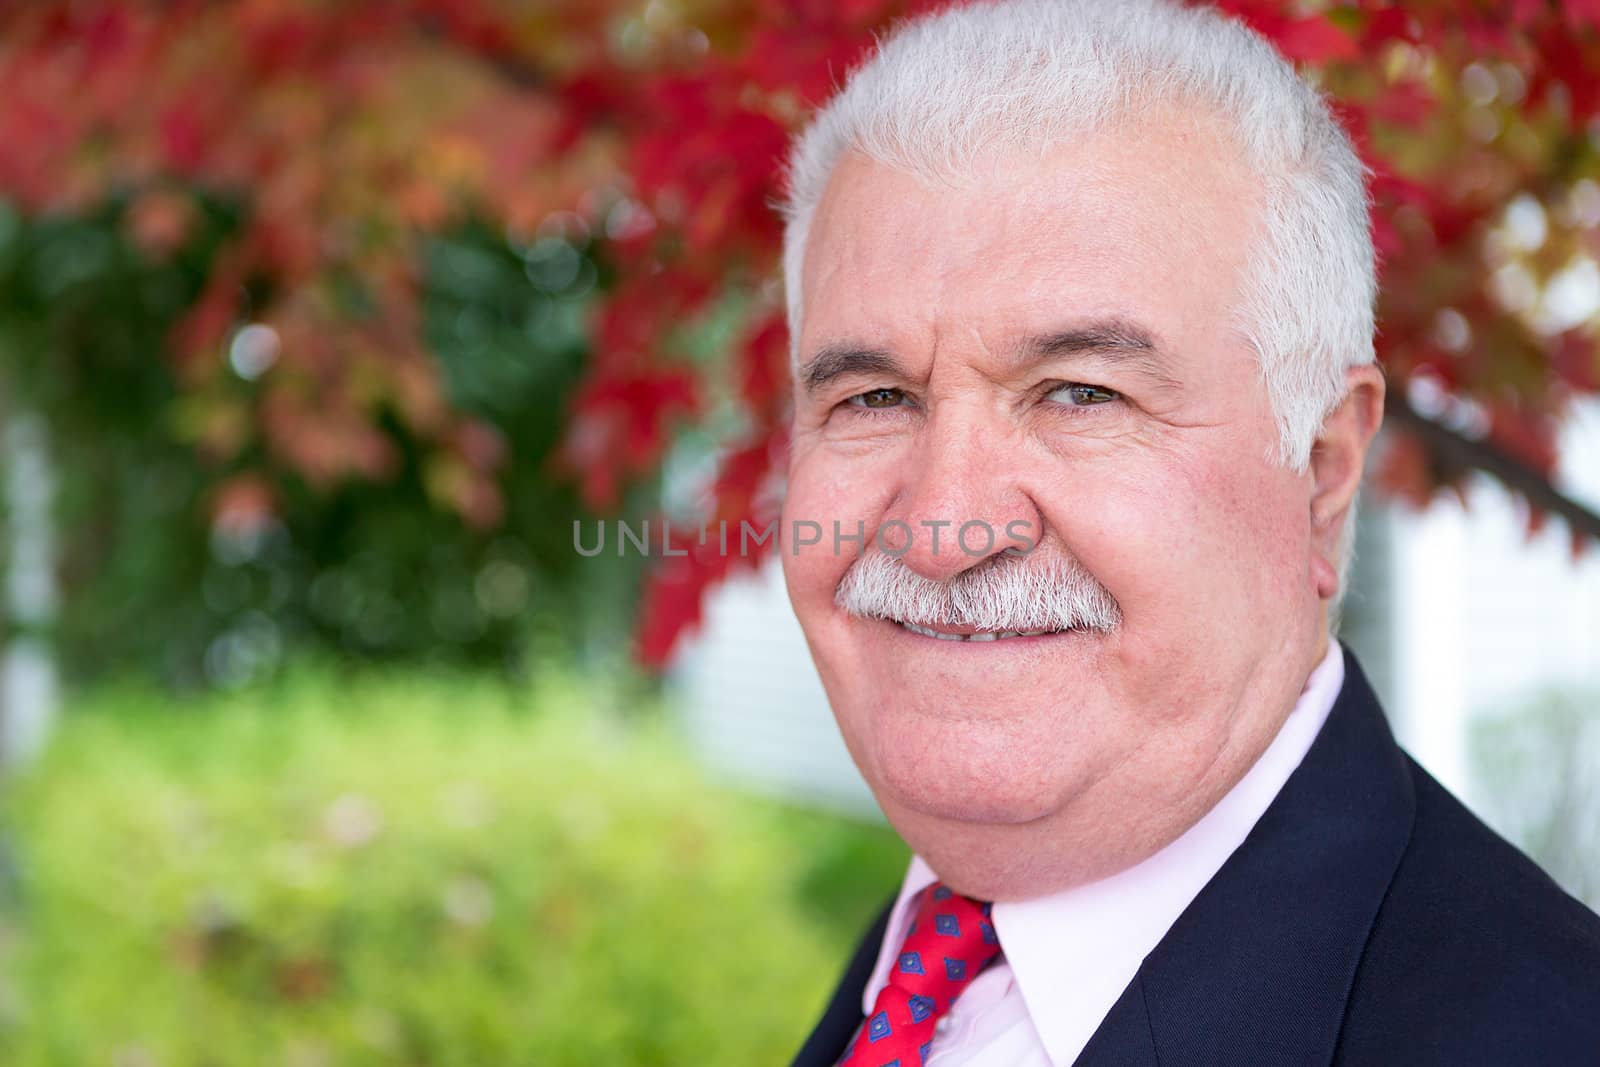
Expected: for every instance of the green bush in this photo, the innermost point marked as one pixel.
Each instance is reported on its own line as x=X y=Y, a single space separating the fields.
x=406 y=869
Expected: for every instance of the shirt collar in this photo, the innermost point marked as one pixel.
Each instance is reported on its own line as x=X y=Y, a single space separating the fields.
x=1116 y=921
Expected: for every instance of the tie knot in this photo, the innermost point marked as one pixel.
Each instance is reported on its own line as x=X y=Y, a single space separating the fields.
x=952 y=932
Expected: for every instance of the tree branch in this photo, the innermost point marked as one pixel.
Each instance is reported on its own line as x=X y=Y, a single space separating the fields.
x=1462 y=451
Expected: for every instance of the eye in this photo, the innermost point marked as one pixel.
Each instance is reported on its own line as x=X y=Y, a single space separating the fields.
x=1079 y=395
x=877 y=399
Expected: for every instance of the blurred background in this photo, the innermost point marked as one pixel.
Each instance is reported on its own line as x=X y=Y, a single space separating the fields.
x=323 y=323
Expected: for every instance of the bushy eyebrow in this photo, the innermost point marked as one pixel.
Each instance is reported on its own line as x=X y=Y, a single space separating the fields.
x=1118 y=341
x=1114 y=340
x=837 y=361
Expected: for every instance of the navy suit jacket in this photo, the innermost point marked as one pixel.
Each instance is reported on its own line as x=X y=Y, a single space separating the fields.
x=1368 y=918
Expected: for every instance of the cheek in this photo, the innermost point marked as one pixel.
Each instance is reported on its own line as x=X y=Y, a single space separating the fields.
x=1256 y=523
x=1195 y=547
x=822 y=491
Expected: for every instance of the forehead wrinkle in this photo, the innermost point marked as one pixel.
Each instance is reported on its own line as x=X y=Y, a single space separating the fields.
x=979 y=340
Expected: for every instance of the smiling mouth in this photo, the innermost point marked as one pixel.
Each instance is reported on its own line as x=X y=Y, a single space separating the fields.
x=983 y=635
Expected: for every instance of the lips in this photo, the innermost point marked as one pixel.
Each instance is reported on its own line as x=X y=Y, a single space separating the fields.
x=987 y=635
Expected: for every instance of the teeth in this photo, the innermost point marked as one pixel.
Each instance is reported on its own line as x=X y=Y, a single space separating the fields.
x=984 y=636
x=925 y=632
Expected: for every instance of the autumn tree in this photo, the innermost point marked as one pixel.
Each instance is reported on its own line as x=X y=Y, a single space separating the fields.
x=301 y=173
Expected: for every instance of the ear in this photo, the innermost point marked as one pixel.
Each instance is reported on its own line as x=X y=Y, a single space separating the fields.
x=1336 y=460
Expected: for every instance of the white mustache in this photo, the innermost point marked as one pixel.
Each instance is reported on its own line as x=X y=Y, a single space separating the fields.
x=1015 y=593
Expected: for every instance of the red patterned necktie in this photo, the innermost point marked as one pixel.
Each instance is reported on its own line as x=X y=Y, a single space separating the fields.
x=950 y=941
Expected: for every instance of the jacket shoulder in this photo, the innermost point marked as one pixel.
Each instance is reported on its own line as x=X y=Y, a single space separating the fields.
x=1476 y=956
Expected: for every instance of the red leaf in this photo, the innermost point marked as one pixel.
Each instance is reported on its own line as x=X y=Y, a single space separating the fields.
x=620 y=428
x=764 y=363
x=1576 y=360
x=1389 y=24
x=183 y=136
x=195 y=336
x=1308 y=39
x=676 y=587
x=1313 y=39
x=242 y=504
x=1406 y=104
x=1582 y=12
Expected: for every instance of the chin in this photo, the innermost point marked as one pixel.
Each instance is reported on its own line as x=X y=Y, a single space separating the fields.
x=956 y=789
x=977 y=807
x=1004 y=759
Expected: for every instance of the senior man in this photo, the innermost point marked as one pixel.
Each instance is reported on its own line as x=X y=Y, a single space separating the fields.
x=1092 y=284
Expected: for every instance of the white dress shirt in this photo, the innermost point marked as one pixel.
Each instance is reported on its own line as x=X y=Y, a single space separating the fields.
x=1068 y=957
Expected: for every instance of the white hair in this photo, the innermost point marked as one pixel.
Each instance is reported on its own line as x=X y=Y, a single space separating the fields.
x=1002 y=594
x=945 y=91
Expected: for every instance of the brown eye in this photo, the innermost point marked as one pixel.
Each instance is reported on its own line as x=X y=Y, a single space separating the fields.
x=1077 y=394
x=878 y=398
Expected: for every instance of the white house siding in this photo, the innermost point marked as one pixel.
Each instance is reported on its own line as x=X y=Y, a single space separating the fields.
x=1486 y=618
x=752 y=702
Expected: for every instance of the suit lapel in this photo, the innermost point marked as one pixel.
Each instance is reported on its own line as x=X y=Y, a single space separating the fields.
x=1258 y=968
x=826 y=1043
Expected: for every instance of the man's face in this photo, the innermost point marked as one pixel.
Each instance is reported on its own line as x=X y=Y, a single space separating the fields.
x=1051 y=349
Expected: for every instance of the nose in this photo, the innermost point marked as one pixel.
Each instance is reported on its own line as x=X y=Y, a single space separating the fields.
x=960 y=502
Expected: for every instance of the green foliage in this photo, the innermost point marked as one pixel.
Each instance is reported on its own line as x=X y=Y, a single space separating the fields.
x=82 y=316
x=371 y=568
x=412 y=870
